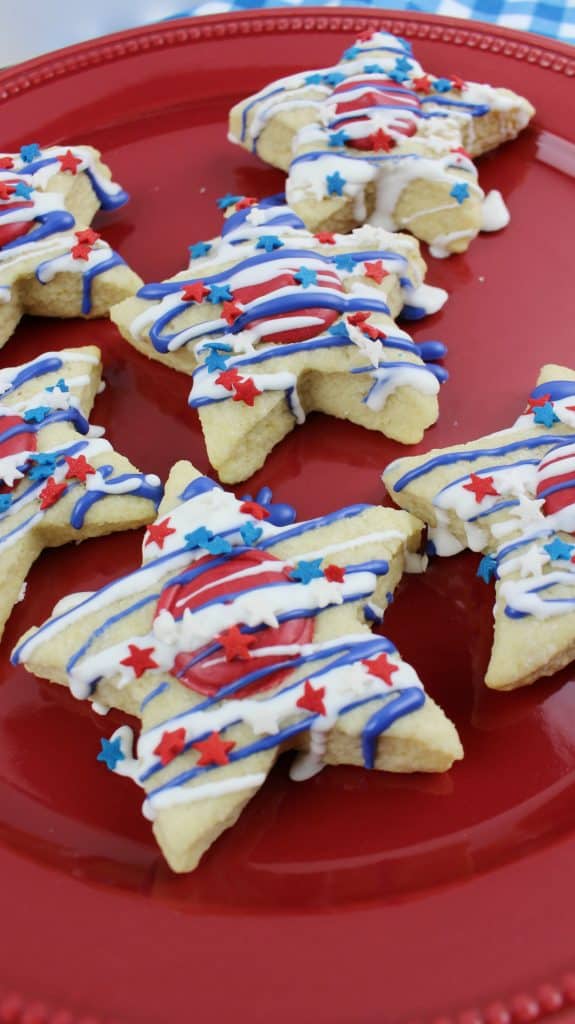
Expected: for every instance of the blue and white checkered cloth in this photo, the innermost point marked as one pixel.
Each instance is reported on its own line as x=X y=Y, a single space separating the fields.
x=554 y=18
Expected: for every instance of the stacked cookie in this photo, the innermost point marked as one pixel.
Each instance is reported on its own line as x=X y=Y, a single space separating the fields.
x=246 y=632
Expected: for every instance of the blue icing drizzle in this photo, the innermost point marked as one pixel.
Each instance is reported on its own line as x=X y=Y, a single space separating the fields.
x=472 y=454
x=558 y=389
x=88 y=276
x=404 y=703
x=141 y=489
x=39 y=368
x=153 y=694
x=48 y=224
x=200 y=485
x=108 y=199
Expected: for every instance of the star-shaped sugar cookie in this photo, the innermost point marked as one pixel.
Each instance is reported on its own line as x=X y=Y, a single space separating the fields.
x=51 y=262
x=511 y=495
x=244 y=634
x=376 y=139
x=60 y=480
x=274 y=322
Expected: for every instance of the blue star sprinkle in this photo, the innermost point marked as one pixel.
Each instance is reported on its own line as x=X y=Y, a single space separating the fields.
x=23 y=191
x=220 y=293
x=487 y=568
x=199 y=249
x=344 y=261
x=304 y=572
x=374 y=69
x=202 y=538
x=224 y=202
x=403 y=64
x=250 y=533
x=30 y=152
x=111 y=753
x=198 y=539
x=334 y=78
x=339 y=329
x=559 y=550
x=544 y=416
x=442 y=84
x=335 y=184
x=5 y=502
x=460 y=191
x=269 y=243
x=306 y=277
x=215 y=361
x=337 y=138
x=351 y=53
x=38 y=414
x=43 y=466
x=398 y=76
x=313 y=79
x=218 y=546
x=60 y=385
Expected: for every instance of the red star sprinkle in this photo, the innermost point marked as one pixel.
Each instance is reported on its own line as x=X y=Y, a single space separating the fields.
x=157 y=533
x=382 y=668
x=69 y=162
x=50 y=493
x=170 y=745
x=139 y=659
x=6 y=190
x=534 y=403
x=78 y=468
x=81 y=252
x=376 y=271
x=214 y=750
x=246 y=391
x=422 y=84
x=6 y=162
x=231 y=311
x=480 y=487
x=357 y=319
x=245 y=202
x=373 y=332
x=194 y=292
x=461 y=151
x=252 y=508
x=458 y=83
x=311 y=699
x=87 y=236
x=325 y=237
x=228 y=379
x=236 y=645
x=381 y=141
x=366 y=35
x=334 y=573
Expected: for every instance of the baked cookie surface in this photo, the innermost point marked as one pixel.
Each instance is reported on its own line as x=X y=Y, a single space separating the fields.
x=51 y=262
x=243 y=634
x=274 y=322
x=376 y=139
x=60 y=480
x=511 y=496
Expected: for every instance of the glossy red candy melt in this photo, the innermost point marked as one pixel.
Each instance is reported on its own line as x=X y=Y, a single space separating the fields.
x=356 y=896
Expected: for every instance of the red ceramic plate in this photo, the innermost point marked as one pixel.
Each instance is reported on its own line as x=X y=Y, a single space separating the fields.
x=355 y=897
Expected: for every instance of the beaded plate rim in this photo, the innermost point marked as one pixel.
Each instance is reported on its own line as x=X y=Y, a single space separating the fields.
x=553 y=999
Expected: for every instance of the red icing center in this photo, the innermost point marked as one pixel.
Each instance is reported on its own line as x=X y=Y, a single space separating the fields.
x=23 y=441
x=378 y=96
x=564 y=497
x=327 y=279
x=215 y=584
x=9 y=232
